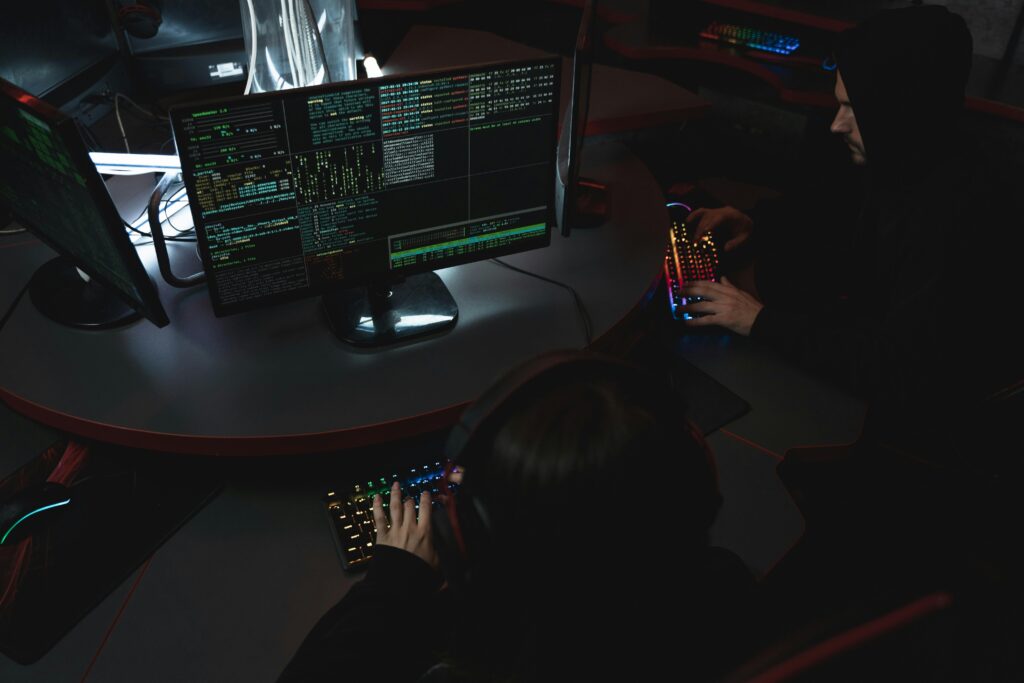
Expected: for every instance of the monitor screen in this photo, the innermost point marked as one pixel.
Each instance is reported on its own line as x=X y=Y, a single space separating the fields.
x=48 y=180
x=296 y=191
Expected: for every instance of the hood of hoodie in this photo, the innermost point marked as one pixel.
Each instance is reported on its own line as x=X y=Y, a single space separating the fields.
x=905 y=71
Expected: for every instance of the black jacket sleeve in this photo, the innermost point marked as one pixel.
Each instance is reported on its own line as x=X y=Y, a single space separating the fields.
x=892 y=351
x=375 y=631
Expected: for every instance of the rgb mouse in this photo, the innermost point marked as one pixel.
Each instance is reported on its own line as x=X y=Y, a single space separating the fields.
x=31 y=509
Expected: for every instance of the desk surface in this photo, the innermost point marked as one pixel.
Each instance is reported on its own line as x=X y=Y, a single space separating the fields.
x=277 y=381
x=232 y=594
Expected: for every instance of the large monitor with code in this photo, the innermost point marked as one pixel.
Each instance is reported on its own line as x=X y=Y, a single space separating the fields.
x=302 y=192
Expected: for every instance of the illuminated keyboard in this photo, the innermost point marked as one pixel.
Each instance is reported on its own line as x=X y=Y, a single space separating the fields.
x=686 y=261
x=751 y=37
x=351 y=514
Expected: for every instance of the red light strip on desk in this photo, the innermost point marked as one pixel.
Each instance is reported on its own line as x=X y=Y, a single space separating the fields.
x=752 y=444
x=117 y=618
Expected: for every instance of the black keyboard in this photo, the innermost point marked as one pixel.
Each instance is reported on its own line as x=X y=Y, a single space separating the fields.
x=350 y=508
x=686 y=261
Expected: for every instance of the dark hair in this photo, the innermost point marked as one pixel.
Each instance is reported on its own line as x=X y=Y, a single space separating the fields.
x=589 y=469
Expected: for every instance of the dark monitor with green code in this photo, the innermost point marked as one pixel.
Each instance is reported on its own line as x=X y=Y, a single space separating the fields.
x=305 y=191
x=54 y=191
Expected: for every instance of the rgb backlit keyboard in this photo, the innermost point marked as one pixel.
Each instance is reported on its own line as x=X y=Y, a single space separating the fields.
x=751 y=37
x=686 y=261
x=351 y=514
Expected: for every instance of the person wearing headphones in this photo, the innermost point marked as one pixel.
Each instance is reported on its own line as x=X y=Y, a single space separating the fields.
x=579 y=526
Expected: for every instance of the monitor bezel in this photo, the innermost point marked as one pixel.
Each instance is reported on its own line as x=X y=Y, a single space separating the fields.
x=177 y=112
x=579 y=111
x=149 y=306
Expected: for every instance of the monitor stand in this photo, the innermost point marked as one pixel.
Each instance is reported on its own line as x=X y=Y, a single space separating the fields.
x=60 y=293
x=387 y=312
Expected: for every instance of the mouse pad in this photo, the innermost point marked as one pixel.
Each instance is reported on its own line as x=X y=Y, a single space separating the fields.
x=124 y=505
x=711 y=404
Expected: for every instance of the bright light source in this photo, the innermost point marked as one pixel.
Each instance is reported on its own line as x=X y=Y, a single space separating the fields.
x=371 y=66
x=116 y=163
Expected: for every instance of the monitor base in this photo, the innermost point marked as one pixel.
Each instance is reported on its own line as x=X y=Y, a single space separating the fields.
x=60 y=293
x=383 y=314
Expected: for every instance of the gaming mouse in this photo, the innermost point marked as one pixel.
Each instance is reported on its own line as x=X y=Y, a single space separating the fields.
x=31 y=509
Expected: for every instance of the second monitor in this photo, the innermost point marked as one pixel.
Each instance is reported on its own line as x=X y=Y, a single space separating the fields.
x=371 y=183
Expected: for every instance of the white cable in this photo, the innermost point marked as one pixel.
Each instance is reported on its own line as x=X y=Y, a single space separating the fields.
x=288 y=39
x=120 y=124
x=299 y=78
x=312 y=37
x=252 y=51
x=140 y=107
x=275 y=76
x=302 y=77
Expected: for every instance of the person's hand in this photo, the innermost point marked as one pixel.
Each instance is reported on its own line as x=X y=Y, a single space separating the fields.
x=723 y=305
x=406 y=531
x=730 y=224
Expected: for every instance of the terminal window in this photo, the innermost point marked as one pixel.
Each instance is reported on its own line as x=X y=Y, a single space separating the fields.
x=294 y=191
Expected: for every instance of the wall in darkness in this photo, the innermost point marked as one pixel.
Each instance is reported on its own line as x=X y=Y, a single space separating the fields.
x=990 y=21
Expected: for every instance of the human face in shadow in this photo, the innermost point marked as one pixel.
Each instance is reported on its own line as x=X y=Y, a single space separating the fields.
x=845 y=124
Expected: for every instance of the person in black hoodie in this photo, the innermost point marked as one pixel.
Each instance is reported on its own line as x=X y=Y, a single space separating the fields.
x=583 y=509
x=922 y=327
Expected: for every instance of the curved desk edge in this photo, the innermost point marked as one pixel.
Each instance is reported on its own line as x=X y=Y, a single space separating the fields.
x=237 y=446
x=270 y=445
x=266 y=445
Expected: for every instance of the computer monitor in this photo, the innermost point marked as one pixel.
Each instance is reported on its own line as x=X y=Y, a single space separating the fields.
x=581 y=202
x=53 y=189
x=311 y=191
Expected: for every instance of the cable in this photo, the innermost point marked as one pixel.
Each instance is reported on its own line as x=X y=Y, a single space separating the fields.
x=131 y=227
x=285 y=21
x=167 y=217
x=120 y=124
x=14 y=304
x=138 y=106
x=146 y=233
x=175 y=198
x=584 y=316
x=252 y=52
